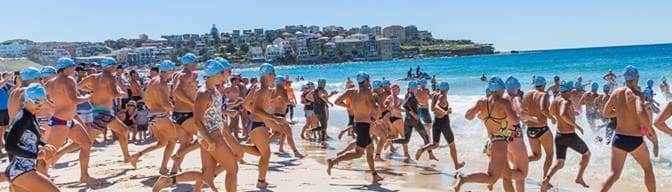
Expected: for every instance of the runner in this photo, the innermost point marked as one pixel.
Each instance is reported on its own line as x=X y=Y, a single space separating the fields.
x=517 y=150
x=157 y=100
x=47 y=73
x=183 y=94
x=363 y=107
x=588 y=99
x=561 y=109
x=219 y=149
x=308 y=100
x=321 y=107
x=393 y=104
x=626 y=104
x=24 y=145
x=665 y=89
x=235 y=100
x=609 y=123
x=498 y=117
x=63 y=123
x=348 y=109
x=135 y=86
x=279 y=103
x=536 y=103
x=258 y=102
x=648 y=95
x=422 y=95
x=442 y=111
x=104 y=89
x=555 y=88
x=412 y=121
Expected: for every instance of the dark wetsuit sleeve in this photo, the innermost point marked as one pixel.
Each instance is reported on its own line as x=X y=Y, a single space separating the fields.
x=13 y=137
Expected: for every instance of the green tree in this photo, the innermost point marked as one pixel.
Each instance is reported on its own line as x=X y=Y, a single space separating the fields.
x=244 y=48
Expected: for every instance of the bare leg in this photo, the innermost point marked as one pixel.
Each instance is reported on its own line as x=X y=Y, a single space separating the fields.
x=260 y=139
x=34 y=181
x=559 y=164
x=79 y=136
x=617 y=160
x=641 y=155
x=121 y=130
x=453 y=154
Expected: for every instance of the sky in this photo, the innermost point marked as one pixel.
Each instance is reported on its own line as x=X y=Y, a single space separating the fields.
x=509 y=25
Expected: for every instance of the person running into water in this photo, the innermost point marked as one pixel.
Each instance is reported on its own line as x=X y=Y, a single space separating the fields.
x=498 y=116
x=157 y=100
x=63 y=123
x=627 y=105
x=609 y=123
x=610 y=78
x=648 y=95
x=258 y=102
x=321 y=107
x=536 y=104
x=561 y=109
x=220 y=150
x=665 y=88
x=279 y=102
x=393 y=104
x=588 y=99
x=234 y=94
x=517 y=150
x=25 y=147
x=364 y=108
x=411 y=122
x=555 y=88
x=441 y=125
x=422 y=95
x=308 y=100
x=348 y=109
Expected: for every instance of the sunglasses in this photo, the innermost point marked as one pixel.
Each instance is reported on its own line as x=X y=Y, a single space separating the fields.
x=39 y=101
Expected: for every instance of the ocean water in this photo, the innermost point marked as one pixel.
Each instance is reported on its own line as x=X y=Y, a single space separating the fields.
x=463 y=74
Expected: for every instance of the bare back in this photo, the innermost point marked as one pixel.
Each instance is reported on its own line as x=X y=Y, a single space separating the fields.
x=535 y=103
x=624 y=102
x=156 y=97
x=63 y=88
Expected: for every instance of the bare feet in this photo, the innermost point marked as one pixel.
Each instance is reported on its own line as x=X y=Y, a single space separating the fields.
x=161 y=183
x=418 y=154
x=378 y=158
x=580 y=181
x=432 y=157
x=298 y=155
x=330 y=164
x=262 y=184
x=377 y=178
x=163 y=171
x=545 y=184
x=133 y=160
x=281 y=150
x=459 y=181
x=407 y=159
x=459 y=165
x=88 y=180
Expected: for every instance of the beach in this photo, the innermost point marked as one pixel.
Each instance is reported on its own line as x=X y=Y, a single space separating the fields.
x=309 y=174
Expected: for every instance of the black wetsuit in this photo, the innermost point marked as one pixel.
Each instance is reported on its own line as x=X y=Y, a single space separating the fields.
x=411 y=123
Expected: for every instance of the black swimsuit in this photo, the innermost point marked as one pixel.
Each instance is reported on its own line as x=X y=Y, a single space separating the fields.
x=501 y=122
x=442 y=125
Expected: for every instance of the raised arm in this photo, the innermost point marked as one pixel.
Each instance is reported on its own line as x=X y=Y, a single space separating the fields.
x=340 y=100
x=473 y=111
x=566 y=113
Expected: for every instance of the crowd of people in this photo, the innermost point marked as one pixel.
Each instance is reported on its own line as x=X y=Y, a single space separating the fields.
x=46 y=113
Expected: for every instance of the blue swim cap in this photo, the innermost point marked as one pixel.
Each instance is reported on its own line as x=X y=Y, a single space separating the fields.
x=444 y=86
x=386 y=83
x=648 y=93
x=188 y=58
x=649 y=83
x=107 y=62
x=225 y=63
x=606 y=88
x=30 y=73
x=512 y=83
x=166 y=65
x=422 y=82
x=212 y=68
x=539 y=81
x=34 y=91
x=487 y=92
x=375 y=84
x=279 y=80
x=630 y=73
x=412 y=85
x=594 y=86
x=566 y=86
x=310 y=84
x=495 y=84
x=321 y=82
x=266 y=69
x=48 y=71
x=362 y=76
x=64 y=62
